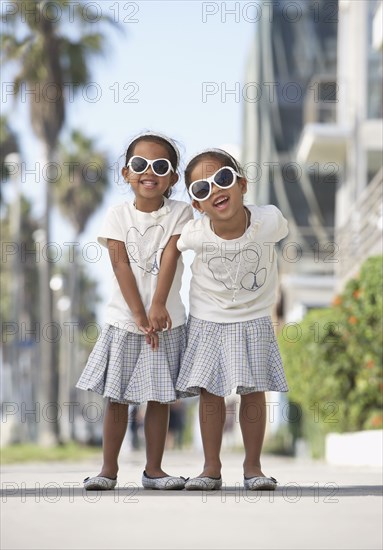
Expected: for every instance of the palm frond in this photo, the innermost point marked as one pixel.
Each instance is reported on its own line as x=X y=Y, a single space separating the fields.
x=47 y=56
x=92 y=42
x=24 y=11
x=84 y=180
x=90 y=15
x=12 y=48
x=74 y=63
x=8 y=144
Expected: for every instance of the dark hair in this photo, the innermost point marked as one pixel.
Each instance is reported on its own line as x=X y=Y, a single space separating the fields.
x=173 y=156
x=217 y=154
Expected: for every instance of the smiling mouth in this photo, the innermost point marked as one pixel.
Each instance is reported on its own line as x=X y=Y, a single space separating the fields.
x=148 y=184
x=221 y=202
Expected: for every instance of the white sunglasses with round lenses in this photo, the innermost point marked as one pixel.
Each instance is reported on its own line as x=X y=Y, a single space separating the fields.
x=160 y=167
x=224 y=178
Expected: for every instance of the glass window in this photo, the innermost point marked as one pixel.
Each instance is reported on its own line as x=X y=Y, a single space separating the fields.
x=374 y=70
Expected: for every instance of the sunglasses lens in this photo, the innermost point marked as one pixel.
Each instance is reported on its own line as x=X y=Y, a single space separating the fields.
x=224 y=177
x=161 y=167
x=201 y=189
x=138 y=165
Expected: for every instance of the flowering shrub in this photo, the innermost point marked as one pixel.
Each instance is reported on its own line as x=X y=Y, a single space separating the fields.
x=334 y=369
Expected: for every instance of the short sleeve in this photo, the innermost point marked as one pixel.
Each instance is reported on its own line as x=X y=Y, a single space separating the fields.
x=185 y=216
x=110 y=229
x=186 y=241
x=280 y=229
x=283 y=228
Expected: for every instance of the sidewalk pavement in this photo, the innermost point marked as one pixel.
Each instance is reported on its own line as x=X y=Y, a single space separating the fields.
x=316 y=506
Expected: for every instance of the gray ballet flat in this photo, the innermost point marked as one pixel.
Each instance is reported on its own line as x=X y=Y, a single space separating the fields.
x=260 y=483
x=166 y=483
x=205 y=483
x=99 y=483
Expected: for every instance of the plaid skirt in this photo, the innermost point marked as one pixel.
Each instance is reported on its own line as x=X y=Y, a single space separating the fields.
x=124 y=368
x=221 y=357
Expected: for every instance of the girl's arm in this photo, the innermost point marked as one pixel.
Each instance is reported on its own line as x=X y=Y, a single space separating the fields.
x=158 y=315
x=128 y=286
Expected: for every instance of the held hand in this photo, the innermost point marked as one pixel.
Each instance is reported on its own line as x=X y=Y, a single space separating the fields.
x=159 y=318
x=152 y=340
x=143 y=324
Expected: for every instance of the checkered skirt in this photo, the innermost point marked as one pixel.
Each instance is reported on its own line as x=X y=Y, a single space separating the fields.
x=222 y=356
x=124 y=368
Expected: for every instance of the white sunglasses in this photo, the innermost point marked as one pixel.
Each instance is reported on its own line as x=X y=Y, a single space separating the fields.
x=224 y=178
x=160 y=167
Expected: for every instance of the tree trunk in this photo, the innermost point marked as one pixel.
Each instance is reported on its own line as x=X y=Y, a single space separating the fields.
x=18 y=429
x=68 y=354
x=47 y=405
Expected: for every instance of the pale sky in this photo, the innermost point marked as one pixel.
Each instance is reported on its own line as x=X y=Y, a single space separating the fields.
x=178 y=68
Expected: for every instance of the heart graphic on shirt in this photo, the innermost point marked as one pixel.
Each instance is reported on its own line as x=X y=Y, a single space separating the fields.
x=245 y=274
x=253 y=281
x=143 y=248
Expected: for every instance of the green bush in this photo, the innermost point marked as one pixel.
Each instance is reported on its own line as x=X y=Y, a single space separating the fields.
x=333 y=359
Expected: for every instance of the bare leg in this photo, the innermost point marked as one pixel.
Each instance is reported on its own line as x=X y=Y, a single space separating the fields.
x=156 y=428
x=252 y=415
x=212 y=415
x=115 y=424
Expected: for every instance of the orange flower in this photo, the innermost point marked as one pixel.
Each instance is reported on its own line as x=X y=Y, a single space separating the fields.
x=356 y=294
x=370 y=364
x=377 y=421
x=337 y=301
x=352 y=320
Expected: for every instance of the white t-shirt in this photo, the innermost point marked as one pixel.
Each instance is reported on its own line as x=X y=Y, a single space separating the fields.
x=244 y=269
x=145 y=236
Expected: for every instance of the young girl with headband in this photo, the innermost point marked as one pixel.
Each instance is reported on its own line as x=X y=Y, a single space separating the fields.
x=137 y=356
x=231 y=340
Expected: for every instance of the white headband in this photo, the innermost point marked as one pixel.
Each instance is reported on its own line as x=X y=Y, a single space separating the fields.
x=221 y=152
x=162 y=136
x=211 y=150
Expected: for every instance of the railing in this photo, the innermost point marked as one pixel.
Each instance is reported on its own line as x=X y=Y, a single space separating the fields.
x=361 y=236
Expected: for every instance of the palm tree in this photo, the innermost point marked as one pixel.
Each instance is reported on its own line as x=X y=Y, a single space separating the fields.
x=83 y=180
x=19 y=282
x=8 y=145
x=47 y=58
x=80 y=189
x=78 y=192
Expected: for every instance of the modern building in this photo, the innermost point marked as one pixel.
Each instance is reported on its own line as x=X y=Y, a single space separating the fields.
x=312 y=144
x=293 y=66
x=353 y=140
